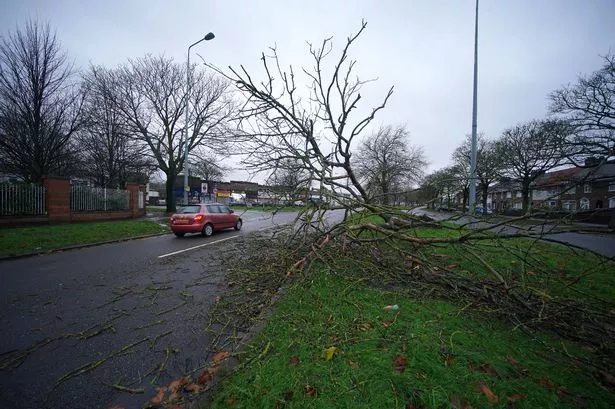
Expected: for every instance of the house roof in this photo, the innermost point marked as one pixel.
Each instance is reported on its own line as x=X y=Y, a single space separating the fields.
x=606 y=171
x=559 y=177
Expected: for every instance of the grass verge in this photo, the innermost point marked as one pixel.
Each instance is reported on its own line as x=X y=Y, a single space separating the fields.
x=27 y=240
x=330 y=344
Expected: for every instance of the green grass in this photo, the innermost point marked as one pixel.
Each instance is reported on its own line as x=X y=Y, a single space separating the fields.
x=554 y=270
x=43 y=238
x=443 y=348
x=162 y=210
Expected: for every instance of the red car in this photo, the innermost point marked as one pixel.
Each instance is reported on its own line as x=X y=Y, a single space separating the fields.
x=204 y=219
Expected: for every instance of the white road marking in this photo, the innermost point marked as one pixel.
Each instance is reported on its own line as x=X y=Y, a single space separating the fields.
x=199 y=246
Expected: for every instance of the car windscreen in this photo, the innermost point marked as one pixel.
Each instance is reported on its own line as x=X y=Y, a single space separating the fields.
x=190 y=209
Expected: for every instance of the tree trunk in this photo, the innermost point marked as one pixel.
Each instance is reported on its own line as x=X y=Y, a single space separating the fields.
x=385 y=195
x=525 y=193
x=170 y=194
x=485 y=193
x=465 y=199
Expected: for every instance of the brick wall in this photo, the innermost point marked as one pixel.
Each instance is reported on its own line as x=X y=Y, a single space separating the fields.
x=57 y=201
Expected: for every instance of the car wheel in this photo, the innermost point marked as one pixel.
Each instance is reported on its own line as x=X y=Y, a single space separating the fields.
x=180 y=234
x=238 y=225
x=208 y=230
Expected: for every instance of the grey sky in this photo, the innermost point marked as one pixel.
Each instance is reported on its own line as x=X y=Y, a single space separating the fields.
x=527 y=48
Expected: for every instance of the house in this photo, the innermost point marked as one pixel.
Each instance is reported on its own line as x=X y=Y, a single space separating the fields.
x=557 y=189
x=505 y=195
x=576 y=189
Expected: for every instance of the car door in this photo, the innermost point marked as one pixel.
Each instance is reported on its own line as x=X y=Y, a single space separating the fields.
x=227 y=216
x=214 y=215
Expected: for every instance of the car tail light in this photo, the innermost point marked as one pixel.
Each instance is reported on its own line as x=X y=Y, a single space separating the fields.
x=198 y=218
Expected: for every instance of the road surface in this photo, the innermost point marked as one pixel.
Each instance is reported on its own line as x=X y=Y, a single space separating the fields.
x=72 y=323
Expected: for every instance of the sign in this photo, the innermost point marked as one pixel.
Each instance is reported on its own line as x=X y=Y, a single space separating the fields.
x=224 y=193
x=204 y=188
x=187 y=188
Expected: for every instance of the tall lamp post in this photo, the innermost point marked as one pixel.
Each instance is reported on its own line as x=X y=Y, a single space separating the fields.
x=208 y=36
x=472 y=201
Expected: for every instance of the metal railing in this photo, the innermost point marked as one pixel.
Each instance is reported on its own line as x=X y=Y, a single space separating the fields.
x=22 y=199
x=98 y=199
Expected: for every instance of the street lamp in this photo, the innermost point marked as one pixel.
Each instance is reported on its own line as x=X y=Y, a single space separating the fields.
x=472 y=201
x=208 y=36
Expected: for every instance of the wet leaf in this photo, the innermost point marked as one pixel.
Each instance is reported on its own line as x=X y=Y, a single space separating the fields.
x=516 y=397
x=546 y=382
x=219 y=357
x=607 y=378
x=449 y=358
x=174 y=397
x=387 y=324
x=205 y=377
x=487 y=368
x=116 y=407
x=310 y=391
x=176 y=385
x=400 y=363
x=485 y=390
x=439 y=255
x=353 y=365
x=516 y=364
x=294 y=360
x=230 y=401
x=193 y=388
x=366 y=326
x=451 y=266
x=562 y=393
x=156 y=400
x=330 y=352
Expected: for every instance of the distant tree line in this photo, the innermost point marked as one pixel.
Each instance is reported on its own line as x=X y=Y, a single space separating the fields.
x=106 y=125
x=580 y=125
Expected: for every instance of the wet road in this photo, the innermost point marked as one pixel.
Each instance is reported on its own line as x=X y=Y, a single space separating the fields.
x=132 y=314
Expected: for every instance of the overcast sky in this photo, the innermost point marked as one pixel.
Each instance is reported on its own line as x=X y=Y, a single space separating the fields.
x=424 y=48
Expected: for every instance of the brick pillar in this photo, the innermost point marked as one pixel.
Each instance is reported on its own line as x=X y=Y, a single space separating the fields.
x=135 y=191
x=57 y=199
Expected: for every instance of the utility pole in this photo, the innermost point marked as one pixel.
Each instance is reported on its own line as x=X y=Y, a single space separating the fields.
x=472 y=198
x=208 y=36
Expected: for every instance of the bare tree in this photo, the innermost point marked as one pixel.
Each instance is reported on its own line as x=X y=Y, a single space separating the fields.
x=208 y=167
x=460 y=171
x=316 y=129
x=111 y=154
x=589 y=106
x=290 y=179
x=488 y=163
x=529 y=150
x=152 y=93
x=438 y=185
x=40 y=104
x=386 y=161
